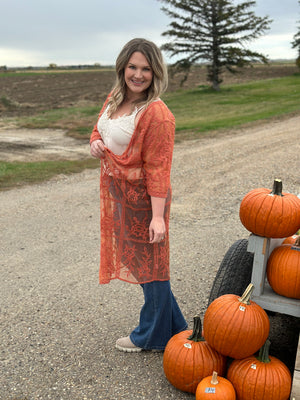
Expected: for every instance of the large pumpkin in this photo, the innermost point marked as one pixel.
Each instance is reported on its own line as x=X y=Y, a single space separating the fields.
x=260 y=378
x=271 y=214
x=188 y=359
x=283 y=270
x=215 y=388
x=236 y=326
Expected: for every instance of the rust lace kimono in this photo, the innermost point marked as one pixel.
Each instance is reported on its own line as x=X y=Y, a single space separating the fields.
x=127 y=181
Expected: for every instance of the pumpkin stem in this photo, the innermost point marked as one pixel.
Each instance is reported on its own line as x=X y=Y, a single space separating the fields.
x=277 y=187
x=245 y=298
x=196 y=336
x=214 y=379
x=263 y=355
x=297 y=241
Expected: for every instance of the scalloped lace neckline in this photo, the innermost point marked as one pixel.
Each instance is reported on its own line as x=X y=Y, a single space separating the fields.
x=133 y=114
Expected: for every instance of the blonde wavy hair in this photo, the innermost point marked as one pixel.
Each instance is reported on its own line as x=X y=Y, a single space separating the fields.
x=160 y=74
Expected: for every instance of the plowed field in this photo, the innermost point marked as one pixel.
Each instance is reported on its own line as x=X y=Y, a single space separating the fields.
x=28 y=93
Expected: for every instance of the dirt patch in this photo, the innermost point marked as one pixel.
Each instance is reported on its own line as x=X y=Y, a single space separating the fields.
x=26 y=94
x=40 y=145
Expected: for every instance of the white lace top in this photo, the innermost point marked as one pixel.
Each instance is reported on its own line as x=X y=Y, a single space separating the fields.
x=116 y=133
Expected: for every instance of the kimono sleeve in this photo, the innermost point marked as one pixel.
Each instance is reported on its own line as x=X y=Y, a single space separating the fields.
x=157 y=155
x=95 y=133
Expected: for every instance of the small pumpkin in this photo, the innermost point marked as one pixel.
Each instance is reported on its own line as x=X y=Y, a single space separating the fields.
x=260 y=378
x=283 y=270
x=271 y=214
x=236 y=326
x=290 y=239
x=188 y=359
x=216 y=388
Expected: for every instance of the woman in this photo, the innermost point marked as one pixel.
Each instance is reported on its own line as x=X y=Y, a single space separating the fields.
x=134 y=138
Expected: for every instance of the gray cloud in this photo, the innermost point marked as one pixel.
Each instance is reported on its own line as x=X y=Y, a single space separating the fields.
x=64 y=31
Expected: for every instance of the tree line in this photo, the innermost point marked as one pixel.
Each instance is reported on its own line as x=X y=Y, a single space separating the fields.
x=216 y=32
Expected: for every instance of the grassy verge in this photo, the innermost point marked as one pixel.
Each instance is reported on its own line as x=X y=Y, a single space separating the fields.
x=77 y=121
x=202 y=110
x=198 y=111
x=23 y=173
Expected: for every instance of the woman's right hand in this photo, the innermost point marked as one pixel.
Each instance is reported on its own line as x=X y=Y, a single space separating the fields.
x=97 y=148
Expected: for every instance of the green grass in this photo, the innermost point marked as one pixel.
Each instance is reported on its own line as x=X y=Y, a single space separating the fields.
x=14 y=174
x=58 y=70
x=197 y=111
x=76 y=121
x=202 y=110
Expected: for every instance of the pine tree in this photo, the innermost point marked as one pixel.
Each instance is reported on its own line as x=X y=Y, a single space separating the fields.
x=215 y=32
x=296 y=44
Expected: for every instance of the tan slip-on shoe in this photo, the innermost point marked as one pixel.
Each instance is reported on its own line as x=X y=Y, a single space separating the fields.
x=125 y=344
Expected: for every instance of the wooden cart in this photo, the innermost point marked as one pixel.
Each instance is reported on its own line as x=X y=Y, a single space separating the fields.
x=264 y=296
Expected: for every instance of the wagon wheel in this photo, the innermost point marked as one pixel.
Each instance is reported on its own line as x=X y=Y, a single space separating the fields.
x=233 y=276
x=284 y=336
x=235 y=271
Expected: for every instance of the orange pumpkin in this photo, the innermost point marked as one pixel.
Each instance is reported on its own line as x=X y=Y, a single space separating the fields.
x=271 y=214
x=216 y=388
x=236 y=326
x=290 y=239
x=260 y=378
x=283 y=270
x=188 y=359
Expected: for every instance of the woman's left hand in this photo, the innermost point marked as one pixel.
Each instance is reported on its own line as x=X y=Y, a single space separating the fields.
x=97 y=149
x=157 y=229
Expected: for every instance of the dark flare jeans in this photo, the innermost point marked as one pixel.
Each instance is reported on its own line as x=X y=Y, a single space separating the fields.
x=160 y=317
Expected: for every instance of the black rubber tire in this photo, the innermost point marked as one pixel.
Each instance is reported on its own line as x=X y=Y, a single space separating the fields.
x=284 y=336
x=234 y=274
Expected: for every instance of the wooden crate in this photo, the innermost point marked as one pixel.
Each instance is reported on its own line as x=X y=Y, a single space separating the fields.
x=263 y=293
x=267 y=298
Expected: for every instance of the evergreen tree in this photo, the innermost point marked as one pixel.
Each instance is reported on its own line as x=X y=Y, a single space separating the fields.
x=296 y=44
x=213 y=31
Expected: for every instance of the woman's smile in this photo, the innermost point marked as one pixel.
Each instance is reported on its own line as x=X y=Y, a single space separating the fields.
x=138 y=75
x=137 y=82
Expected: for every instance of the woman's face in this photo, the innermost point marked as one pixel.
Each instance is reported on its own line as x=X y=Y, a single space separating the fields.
x=138 y=75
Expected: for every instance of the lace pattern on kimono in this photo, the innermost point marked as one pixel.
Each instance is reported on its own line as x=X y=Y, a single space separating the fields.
x=127 y=183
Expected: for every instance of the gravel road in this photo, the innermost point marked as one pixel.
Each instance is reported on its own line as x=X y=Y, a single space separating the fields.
x=58 y=326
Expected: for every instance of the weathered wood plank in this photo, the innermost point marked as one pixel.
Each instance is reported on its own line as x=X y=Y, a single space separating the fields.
x=262 y=293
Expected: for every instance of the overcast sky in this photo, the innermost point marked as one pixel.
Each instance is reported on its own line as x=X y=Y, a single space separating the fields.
x=65 y=32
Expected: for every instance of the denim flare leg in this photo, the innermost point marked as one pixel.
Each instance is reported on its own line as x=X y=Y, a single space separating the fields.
x=160 y=317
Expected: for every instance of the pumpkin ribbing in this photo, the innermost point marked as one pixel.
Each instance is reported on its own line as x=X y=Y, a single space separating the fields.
x=283 y=270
